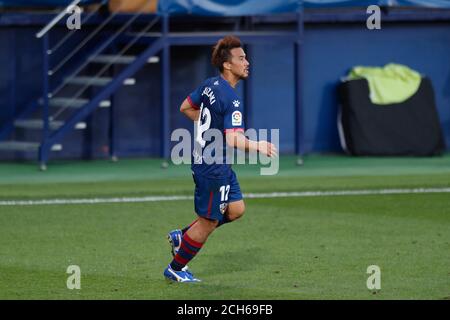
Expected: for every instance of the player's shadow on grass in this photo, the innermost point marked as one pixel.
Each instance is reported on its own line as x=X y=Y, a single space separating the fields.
x=233 y=261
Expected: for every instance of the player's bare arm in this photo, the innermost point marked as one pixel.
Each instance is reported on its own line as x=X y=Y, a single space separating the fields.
x=237 y=139
x=189 y=111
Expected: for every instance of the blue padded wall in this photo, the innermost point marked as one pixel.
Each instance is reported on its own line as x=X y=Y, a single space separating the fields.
x=330 y=51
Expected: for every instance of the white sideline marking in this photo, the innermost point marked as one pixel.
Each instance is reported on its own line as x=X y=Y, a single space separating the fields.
x=248 y=196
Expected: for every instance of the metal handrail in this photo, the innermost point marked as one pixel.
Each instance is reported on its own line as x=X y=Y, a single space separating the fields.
x=86 y=40
x=83 y=43
x=56 y=19
x=47 y=52
x=101 y=48
x=85 y=19
x=106 y=67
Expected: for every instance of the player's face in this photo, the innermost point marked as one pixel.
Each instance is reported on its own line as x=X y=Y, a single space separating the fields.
x=239 y=64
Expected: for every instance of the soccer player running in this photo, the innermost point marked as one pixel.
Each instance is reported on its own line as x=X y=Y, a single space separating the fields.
x=218 y=198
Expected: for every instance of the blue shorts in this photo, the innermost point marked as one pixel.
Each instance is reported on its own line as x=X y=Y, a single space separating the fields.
x=212 y=196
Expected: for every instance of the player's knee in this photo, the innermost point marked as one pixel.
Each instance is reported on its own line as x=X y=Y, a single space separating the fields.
x=236 y=212
x=240 y=212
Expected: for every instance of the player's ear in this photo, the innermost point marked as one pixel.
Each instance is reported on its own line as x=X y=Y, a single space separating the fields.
x=227 y=65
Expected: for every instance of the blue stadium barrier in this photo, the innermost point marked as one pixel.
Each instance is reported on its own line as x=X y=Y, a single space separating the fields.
x=227 y=7
x=256 y=7
x=365 y=3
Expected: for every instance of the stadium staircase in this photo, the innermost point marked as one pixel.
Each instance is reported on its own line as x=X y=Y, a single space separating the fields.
x=47 y=120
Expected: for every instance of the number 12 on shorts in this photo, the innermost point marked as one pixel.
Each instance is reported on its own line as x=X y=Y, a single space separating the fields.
x=224 y=190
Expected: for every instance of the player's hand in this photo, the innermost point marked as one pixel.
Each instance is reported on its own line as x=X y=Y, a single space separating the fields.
x=267 y=148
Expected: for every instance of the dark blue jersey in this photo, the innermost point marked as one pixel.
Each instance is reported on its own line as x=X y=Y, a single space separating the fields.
x=222 y=110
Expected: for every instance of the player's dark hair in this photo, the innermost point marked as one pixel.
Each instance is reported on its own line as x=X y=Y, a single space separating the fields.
x=221 y=51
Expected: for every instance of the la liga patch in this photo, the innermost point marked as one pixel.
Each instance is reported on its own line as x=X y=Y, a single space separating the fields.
x=236 y=118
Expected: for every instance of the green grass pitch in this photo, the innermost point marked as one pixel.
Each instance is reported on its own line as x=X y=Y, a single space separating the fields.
x=283 y=248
